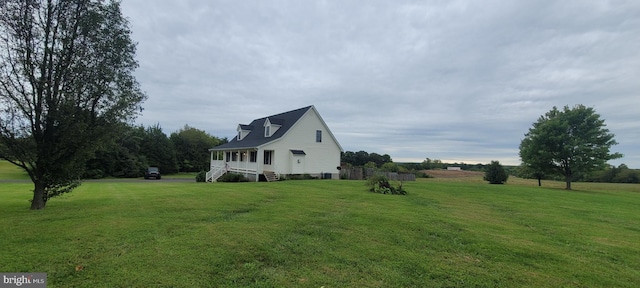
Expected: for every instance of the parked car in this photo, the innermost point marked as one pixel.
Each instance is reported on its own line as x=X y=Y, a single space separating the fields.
x=152 y=172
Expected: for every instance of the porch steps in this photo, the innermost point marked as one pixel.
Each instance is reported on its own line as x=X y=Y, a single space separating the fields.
x=271 y=176
x=214 y=174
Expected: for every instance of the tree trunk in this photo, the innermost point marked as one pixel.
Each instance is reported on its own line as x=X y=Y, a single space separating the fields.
x=539 y=181
x=38 y=202
x=568 y=176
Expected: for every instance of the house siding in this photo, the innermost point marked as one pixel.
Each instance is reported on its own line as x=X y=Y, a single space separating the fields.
x=321 y=157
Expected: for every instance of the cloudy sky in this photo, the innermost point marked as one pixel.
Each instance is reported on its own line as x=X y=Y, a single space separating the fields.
x=460 y=81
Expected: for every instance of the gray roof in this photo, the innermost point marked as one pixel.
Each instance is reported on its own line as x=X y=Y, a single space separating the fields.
x=256 y=138
x=245 y=127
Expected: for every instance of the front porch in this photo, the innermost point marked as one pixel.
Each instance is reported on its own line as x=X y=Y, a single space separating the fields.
x=245 y=162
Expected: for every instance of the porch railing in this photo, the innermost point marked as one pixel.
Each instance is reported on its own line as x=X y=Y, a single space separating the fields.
x=215 y=173
x=219 y=168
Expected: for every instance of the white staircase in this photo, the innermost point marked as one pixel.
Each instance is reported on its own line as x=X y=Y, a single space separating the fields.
x=215 y=173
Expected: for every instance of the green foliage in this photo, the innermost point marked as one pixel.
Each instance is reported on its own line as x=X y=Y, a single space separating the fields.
x=421 y=174
x=380 y=184
x=120 y=156
x=567 y=142
x=371 y=165
x=66 y=83
x=612 y=174
x=299 y=177
x=137 y=147
x=434 y=164
x=389 y=167
x=232 y=177
x=159 y=150
x=201 y=176
x=192 y=148
x=361 y=158
x=429 y=164
x=495 y=173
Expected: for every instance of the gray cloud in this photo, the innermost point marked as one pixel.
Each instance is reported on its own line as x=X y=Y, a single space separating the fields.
x=447 y=80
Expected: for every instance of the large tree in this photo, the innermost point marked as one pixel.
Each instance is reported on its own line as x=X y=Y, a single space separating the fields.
x=121 y=157
x=66 y=79
x=159 y=150
x=192 y=148
x=567 y=142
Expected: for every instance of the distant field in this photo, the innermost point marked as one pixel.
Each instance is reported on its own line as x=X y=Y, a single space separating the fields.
x=331 y=233
x=454 y=174
x=9 y=171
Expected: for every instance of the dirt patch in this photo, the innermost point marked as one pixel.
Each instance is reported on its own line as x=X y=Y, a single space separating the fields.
x=452 y=173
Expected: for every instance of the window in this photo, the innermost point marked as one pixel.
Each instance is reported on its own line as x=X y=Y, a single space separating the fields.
x=228 y=156
x=234 y=156
x=318 y=136
x=253 y=156
x=267 y=157
x=267 y=131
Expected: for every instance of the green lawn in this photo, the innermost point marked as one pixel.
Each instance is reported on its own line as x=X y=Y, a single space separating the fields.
x=9 y=171
x=314 y=233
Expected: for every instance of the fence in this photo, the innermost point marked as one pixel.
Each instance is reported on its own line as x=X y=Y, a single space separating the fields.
x=360 y=173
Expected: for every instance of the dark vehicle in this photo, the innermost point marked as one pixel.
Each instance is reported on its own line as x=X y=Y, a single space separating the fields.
x=152 y=172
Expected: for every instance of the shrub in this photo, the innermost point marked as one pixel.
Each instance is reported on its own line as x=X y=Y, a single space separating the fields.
x=495 y=173
x=299 y=177
x=201 y=176
x=421 y=174
x=380 y=184
x=233 y=177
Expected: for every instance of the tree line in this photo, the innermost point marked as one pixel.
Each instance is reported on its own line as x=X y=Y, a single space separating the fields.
x=136 y=148
x=609 y=174
x=386 y=164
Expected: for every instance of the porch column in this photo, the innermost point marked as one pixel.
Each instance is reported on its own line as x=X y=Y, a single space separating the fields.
x=256 y=170
x=259 y=161
x=238 y=159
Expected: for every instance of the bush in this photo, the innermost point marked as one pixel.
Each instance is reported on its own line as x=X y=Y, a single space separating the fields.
x=380 y=184
x=495 y=173
x=201 y=176
x=299 y=177
x=421 y=174
x=233 y=177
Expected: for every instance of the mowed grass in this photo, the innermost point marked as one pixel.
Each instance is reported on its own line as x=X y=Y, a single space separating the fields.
x=445 y=233
x=10 y=172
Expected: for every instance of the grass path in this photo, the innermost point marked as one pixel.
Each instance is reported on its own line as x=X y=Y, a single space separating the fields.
x=445 y=233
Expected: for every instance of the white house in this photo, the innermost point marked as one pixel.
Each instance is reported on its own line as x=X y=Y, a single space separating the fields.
x=294 y=142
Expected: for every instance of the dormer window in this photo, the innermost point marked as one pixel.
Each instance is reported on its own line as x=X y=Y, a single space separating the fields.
x=271 y=126
x=243 y=131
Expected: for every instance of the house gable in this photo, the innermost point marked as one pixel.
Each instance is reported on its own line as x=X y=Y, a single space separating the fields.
x=300 y=143
x=312 y=130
